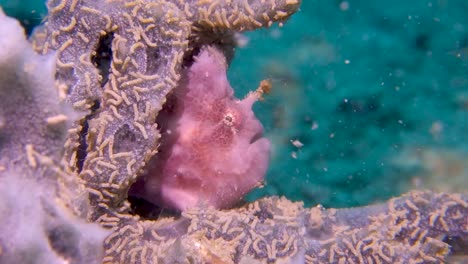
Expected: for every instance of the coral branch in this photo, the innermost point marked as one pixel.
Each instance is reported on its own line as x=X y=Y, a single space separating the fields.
x=419 y=227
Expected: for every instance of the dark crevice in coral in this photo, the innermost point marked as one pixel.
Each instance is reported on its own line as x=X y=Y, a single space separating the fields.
x=3 y=138
x=125 y=137
x=63 y=240
x=102 y=57
x=189 y=57
x=147 y=210
x=152 y=60
x=225 y=41
x=458 y=245
x=81 y=152
x=263 y=214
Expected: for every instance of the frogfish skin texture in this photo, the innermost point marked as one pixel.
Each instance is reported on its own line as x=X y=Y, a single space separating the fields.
x=212 y=152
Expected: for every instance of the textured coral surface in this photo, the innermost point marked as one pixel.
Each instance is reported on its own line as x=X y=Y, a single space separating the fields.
x=117 y=61
x=415 y=228
x=36 y=226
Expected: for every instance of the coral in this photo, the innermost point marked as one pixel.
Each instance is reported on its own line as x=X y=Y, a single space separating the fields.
x=36 y=223
x=35 y=228
x=213 y=152
x=114 y=62
x=118 y=60
x=27 y=91
x=415 y=228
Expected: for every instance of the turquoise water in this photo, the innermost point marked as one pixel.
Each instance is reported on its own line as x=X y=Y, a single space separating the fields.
x=29 y=12
x=377 y=93
x=369 y=99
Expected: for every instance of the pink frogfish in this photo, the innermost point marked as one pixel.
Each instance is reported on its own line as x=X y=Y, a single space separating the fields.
x=212 y=152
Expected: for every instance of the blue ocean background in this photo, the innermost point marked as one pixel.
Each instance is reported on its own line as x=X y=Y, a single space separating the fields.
x=369 y=98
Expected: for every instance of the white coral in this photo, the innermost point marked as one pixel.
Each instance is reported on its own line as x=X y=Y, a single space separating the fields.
x=35 y=226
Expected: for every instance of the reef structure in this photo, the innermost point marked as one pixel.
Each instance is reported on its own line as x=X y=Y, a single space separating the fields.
x=36 y=223
x=116 y=62
x=415 y=228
